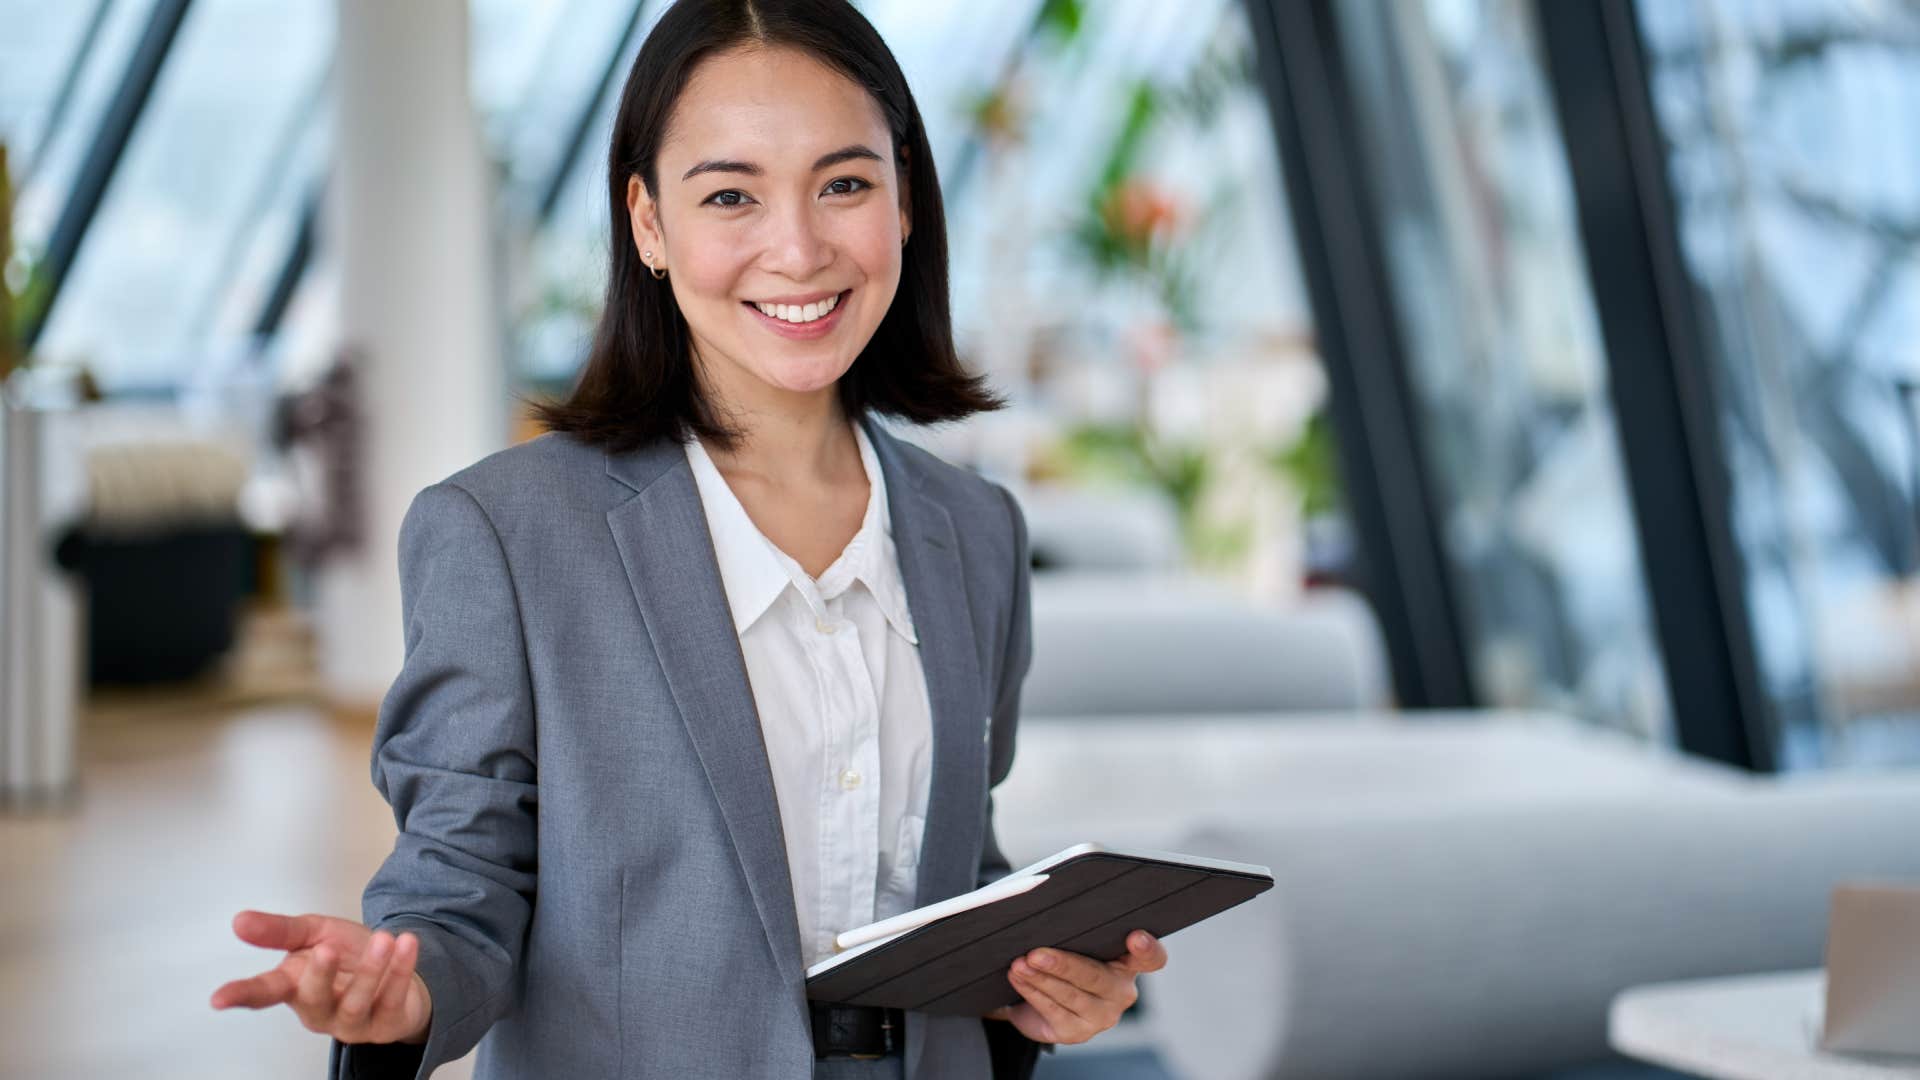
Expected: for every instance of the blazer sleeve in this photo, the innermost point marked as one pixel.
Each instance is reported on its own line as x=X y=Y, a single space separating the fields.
x=1014 y=1056
x=453 y=754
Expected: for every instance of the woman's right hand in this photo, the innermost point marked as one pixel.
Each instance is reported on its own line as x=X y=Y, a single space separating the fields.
x=343 y=980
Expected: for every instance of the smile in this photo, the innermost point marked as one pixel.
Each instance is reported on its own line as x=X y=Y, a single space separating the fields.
x=806 y=320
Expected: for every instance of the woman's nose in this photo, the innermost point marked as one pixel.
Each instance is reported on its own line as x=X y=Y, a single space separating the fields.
x=799 y=246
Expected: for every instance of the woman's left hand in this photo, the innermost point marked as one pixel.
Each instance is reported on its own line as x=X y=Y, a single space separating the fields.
x=1070 y=997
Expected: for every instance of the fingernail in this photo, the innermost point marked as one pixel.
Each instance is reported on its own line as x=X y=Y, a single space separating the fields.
x=1044 y=960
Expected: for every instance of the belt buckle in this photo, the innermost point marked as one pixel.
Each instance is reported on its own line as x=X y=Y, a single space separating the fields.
x=886 y=1027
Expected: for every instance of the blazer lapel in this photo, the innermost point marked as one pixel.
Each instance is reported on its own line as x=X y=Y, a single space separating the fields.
x=668 y=554
x=930 y=568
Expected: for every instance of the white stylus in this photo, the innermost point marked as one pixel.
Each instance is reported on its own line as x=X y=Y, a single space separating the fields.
x=1009 y=886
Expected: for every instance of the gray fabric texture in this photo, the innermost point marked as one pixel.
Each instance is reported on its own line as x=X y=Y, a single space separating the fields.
x=590 y=849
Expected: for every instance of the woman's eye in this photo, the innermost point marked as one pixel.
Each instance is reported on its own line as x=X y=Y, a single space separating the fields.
x=732 y=198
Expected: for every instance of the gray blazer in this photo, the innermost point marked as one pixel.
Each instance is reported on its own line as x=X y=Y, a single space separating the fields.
x=590 y=851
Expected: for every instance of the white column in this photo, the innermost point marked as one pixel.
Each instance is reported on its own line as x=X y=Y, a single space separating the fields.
x=408 y=210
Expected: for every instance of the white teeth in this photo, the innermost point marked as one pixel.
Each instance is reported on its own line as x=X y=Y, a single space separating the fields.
x=799 y=313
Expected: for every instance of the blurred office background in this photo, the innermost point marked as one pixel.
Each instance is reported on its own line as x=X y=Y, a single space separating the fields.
x=1471 y=450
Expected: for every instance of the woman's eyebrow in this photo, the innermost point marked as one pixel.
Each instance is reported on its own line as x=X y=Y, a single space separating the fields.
x=855 y=152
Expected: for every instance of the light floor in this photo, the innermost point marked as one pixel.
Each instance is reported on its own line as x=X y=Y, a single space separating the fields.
x=115 y=916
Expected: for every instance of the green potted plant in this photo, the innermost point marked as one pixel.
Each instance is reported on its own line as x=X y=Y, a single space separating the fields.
x=22 y=284
x=9 y=332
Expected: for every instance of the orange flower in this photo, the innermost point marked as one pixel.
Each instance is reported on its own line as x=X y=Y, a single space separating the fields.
x=1136 y=212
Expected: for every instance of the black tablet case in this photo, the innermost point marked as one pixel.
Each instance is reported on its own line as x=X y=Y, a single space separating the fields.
x=957 y=966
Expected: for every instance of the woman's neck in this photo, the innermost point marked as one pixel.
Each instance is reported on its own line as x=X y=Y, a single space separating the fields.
x=788 y=441
x=790 y=449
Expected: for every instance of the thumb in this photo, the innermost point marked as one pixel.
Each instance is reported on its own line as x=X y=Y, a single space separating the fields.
x=269 y=931
x=286 y=932
x=1144 y=953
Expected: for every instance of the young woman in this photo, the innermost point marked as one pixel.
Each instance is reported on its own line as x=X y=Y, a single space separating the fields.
x=718 y=667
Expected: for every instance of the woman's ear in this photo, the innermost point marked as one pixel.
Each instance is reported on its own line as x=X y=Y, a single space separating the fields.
x=643 y=217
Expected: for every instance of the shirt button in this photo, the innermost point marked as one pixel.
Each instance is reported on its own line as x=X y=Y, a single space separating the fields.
x=824 y=626
x=850 y=779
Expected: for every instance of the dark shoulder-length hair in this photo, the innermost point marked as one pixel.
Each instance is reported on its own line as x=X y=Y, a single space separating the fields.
x=638 y=383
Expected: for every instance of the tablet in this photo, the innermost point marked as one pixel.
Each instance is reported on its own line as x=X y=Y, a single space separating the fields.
x=1091 y=898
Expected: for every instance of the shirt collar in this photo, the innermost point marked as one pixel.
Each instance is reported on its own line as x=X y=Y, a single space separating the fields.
x=749 y=574
x=754 y=572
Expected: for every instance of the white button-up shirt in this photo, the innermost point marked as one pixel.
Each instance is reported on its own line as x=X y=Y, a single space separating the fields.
x=835 y=669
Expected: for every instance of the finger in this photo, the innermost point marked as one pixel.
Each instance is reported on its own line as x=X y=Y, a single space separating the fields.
x=1144 y=953
x=1027 y=1021
x=314 y=999
x=1002 y=1013
x=270 y=931
x=262 y=991
x=359 y=997
x=1091 y=1006
x=1060 y=1020
x=1082 y=971
x=387 y=970
x=399 y=977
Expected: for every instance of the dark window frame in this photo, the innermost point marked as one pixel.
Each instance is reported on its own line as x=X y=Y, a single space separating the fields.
x=1651 y=324
x=105 y=151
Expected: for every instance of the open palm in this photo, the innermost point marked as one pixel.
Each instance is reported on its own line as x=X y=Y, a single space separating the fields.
x=342 y=979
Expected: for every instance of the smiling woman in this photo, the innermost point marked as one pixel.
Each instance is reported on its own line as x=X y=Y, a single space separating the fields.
x=697 y=679
x=791 y=169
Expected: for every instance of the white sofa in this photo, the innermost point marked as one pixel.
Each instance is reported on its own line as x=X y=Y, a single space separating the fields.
x=1457 y=896
x=1107 y=644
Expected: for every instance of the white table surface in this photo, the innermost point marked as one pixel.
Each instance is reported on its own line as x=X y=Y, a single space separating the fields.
x=1750 y=1027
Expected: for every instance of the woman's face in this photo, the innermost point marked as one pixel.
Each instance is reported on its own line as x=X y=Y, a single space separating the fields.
x=779 y=219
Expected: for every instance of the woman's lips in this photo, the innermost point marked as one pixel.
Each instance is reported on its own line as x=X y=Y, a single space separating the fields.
x=819 y=327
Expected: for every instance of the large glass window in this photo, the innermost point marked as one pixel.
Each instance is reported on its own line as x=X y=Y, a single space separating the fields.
x=1506 y=360
x=60 y=65
x=202 y=214
x=203 y=179
x=1796 y=168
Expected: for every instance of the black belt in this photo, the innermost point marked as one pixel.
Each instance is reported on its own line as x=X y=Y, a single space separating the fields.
x=859 y=1031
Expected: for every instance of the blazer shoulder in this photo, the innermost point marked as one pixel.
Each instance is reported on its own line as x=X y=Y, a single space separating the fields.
x=976 y=501
x=552 y=463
